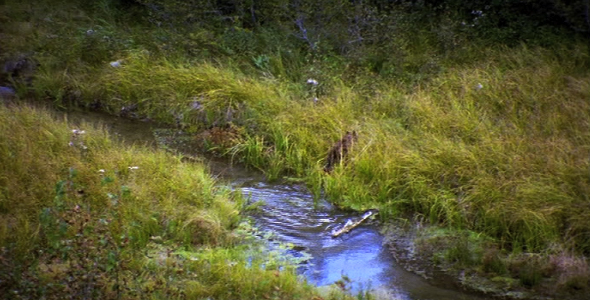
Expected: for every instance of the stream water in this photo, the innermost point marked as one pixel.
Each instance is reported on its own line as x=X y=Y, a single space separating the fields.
x=290 y=213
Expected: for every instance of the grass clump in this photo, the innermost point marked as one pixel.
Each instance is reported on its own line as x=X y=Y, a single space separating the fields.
x=85 y=216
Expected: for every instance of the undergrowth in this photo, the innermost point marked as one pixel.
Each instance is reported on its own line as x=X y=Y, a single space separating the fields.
x=487 y=138
x=84 y=216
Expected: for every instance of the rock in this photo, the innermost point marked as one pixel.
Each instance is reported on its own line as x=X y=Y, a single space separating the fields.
x=129 y=111
x=18 y=65
x=7 y=93
x=21 y=68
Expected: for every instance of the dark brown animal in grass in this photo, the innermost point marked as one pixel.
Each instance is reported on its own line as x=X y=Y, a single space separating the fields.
x=340 y=150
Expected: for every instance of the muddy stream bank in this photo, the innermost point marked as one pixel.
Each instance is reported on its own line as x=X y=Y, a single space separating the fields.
x=290 y=213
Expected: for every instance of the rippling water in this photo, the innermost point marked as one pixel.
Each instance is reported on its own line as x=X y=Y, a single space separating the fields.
x=291 y=214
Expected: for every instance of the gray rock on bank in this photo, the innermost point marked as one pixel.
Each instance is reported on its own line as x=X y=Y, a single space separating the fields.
x=7 y=93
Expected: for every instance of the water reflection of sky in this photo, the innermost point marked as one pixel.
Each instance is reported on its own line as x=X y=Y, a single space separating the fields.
x=290 y=213
x=293 y=217
x=357 y=255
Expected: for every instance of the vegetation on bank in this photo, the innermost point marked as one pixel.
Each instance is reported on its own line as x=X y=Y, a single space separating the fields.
x=84 y=216
x=466 y=132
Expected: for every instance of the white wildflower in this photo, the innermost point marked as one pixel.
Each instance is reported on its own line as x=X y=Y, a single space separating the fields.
x=312 y=81
x=116 y=64
x=196 y=105
x=134 y=168
x=478 y=13
x=89 y=32
x=101 y=171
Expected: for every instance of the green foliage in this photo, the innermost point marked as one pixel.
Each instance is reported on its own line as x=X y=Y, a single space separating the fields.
x=510 y=21
x=459 y=249
x=493 y=262
x=476 y=121
x=101 y=220
x=92 y=242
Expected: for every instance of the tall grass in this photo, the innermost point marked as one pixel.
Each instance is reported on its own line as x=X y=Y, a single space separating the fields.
x=467 y=149
x=39 y=152
x=492 y=139
x=489 y=147
x=85 y=216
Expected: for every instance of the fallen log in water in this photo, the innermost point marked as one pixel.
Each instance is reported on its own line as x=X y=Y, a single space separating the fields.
x=350 y=225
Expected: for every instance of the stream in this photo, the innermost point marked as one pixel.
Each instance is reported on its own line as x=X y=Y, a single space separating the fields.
x=289 y=212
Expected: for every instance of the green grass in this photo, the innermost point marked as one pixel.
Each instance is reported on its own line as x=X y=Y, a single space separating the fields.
x=490 y=139
x=85 y=216
x=37 y=155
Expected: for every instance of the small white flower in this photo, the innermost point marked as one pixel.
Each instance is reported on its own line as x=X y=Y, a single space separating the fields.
x=116 y=64
x=78 y=132
x=196 y=105
x=89 y=32
x=134 y=168
x=312 y=81
x=479 y=86
x=101 y=171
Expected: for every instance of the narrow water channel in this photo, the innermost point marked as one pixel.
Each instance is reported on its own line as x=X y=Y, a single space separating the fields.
x=290 y=213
